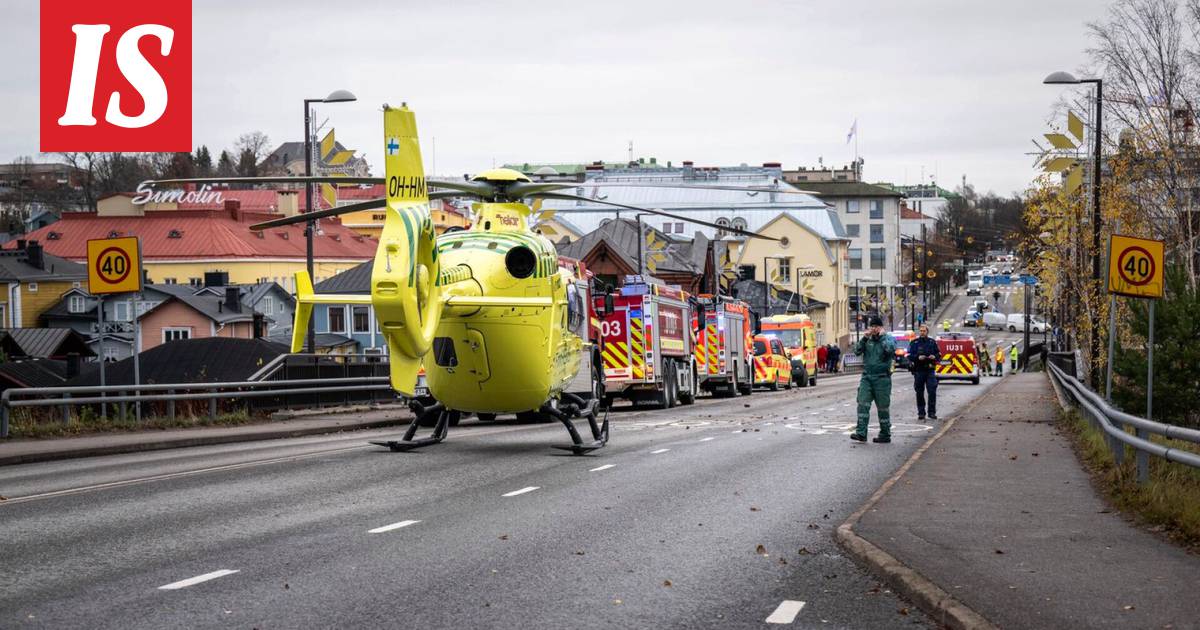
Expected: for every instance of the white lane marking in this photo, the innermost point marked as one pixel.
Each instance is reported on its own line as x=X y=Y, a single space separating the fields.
x=707 y=439
x=661 y=450
x=521 y=491
x=740 y=431
x=815 y=413
x=769 y=424
x=604 y=467
x=819 y=432
x=786 y=612
x=174 y=586
x=388 y=528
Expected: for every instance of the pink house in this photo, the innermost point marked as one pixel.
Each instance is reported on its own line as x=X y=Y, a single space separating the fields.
x=199 y=317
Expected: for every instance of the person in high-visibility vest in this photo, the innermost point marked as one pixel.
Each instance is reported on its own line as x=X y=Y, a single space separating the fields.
x=1013 y=354
x=945 y=325
x=999 y=360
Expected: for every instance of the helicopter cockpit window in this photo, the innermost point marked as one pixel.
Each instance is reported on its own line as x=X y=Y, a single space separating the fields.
x=575 y=310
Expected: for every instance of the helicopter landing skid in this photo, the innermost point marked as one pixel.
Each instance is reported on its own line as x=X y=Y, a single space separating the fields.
x=408 y=443
x=579 y=407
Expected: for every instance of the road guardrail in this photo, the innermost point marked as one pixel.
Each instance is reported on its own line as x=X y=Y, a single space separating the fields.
x=1113 y=421
x=67 y=398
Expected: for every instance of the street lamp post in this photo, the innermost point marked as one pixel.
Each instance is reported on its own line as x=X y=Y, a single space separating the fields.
x=858 y=306
x=1066 y=78
x=336 y=96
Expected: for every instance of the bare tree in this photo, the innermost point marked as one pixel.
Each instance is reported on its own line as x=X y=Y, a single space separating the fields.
x=255 y=142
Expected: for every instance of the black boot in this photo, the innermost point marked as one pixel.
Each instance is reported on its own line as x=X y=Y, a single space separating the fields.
x=858 y=438
x=879 y=439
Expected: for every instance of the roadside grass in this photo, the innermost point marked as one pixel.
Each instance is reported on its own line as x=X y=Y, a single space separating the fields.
x=1170 y=499
x=30 y=426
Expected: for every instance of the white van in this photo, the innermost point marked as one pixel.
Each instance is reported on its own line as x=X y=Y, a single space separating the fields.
x=1016 y=323
x=974 y=287
x=994 y=321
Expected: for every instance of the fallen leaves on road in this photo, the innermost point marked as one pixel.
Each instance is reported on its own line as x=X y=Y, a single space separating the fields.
x=616 y=602
x=667 y=583
x=503 y=536
x=782 y=561
x=804 y=551
x=754 y=509
x=1129 y=607
x=903 y=611
x=760 y=550
x=1013 y=457
x=814 y=526
x=999 y=552
x=3 y=498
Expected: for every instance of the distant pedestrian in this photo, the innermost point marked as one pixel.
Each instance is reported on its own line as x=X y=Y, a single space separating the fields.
x=823 y=358
x=1013 y=354
x=999 y=360
x=835 y=358
x=945 y=325
x=877 y=351
x=984 y=359
x=923 y=352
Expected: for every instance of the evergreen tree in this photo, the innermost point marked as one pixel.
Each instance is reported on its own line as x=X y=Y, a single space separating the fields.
x=203 y=162
x=180 y=166
x=225 y=167
x=247 y=165
x=1176 y=355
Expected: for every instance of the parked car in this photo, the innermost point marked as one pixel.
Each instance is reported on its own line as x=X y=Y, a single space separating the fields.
x=994 y=321
x=1016 y=323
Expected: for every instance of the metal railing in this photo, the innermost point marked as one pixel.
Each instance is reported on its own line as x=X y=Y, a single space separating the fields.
x=1113 y=421
x=67 y=398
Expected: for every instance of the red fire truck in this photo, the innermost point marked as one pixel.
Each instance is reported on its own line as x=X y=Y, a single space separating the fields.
x=646 y=345
x=724 y=346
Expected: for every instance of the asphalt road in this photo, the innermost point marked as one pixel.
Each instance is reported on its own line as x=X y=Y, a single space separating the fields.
x=713 y=515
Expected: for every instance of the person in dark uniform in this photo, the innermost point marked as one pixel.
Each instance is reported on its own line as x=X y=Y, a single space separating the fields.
x=923 y=352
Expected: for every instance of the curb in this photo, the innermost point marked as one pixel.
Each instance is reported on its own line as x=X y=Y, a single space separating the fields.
x=187 y=441
x=931 y=598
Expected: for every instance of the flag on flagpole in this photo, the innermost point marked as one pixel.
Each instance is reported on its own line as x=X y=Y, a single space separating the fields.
x=853 y=130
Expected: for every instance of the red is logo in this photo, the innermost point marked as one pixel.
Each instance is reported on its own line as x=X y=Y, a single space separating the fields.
x=116 y=76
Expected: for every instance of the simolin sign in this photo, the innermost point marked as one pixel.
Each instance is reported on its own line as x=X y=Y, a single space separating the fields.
x=116 y=76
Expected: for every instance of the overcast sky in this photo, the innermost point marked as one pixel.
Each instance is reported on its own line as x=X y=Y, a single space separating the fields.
x=949 y=86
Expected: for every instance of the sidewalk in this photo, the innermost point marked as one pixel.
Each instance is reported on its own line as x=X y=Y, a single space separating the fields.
x=25 y=451
x=1000 y=514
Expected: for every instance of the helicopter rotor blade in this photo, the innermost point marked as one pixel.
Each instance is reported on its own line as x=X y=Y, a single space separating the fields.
x=517 y=190
x=297 y=179
x=482 y=189
x=320 y=214
x=726 y=228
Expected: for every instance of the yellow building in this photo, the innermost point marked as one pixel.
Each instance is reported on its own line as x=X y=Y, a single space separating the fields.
x=808 y=262
x=33 y=282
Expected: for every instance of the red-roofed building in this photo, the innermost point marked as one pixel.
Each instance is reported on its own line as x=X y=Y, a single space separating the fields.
x=370 y=222
x=183 y=240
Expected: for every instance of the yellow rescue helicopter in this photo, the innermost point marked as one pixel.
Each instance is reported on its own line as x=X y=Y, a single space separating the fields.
x=499 y=324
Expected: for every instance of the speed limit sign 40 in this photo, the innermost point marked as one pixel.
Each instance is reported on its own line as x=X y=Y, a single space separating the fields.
x=1135 y=267
x=114 y=265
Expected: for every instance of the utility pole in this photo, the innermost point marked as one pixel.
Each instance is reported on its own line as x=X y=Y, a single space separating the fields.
x=924 y=276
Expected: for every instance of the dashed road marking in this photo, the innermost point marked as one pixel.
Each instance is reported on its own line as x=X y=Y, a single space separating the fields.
x=174 y=586
x=661 y=450
x=786 y=612
x=604 y=467
x=388 y=528
x=521 y=491
x=709 y=439
x=740 y=431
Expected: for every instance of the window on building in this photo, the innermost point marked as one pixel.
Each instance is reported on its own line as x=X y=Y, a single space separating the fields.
x=76 y=304
x=176 y=334
x=268 y=305
x=121 y=311
x=876 y=208
x=785 y=269
x=111 y=354
x=75 y=285
x=362 y=319
x=876 y=232
x=170 y=281
x=337 y=319
x=142 y=307
x=33 y=287
x=852 y=206
x=195 y=281
x=679 y=227
x=853 y=230
x=667 y=227
x=878 y=258
x=856 y=258
x=723 y=222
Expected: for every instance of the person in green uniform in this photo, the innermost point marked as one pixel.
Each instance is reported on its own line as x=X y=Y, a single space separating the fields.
x=877 y=351
x=1012 y=353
